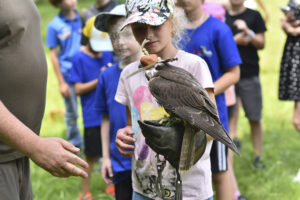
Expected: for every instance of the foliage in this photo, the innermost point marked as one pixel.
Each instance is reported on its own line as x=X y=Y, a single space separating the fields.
x=281 y=141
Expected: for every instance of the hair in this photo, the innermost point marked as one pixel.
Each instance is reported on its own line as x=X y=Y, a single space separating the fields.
x=55 y=2
x=112 y=21
x=178 y=20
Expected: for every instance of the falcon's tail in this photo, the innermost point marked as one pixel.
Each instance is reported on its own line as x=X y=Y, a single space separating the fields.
x=187 y=149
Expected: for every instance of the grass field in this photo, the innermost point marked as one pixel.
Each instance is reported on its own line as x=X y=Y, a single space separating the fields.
x=281 y=141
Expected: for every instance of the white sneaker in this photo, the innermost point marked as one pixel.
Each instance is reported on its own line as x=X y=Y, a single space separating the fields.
x=297 y=177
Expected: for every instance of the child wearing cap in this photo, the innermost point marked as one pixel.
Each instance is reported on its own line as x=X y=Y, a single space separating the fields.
x=87 y=66
x=63 y=39
x=115 y=167
x=153 y=178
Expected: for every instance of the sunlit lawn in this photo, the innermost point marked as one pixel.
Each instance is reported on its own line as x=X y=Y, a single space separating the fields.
x=281 y=141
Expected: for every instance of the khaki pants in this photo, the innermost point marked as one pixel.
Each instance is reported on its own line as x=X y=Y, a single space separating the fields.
x=15 y=182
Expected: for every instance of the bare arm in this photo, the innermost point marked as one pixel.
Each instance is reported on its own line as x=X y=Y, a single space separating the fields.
x=52 y=154
x=63 y=86
x=290 y=27
x=107 y=172
x=83 y=88
x=230 y=77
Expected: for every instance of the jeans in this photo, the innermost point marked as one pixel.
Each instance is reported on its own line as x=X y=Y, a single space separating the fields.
x=71 y=115
x=137 y=196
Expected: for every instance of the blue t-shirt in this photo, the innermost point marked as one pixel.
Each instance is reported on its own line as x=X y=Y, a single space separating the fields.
x=105 y=103
x=213 y=41
x=86 y=69
x=65 y=34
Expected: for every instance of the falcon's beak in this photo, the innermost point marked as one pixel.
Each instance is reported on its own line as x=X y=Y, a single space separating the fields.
x=142 y=69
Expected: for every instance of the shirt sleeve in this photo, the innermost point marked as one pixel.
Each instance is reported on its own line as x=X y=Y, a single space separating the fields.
x=100 y=97
x=259 y=26
x=226 y=47
x=203 y=75
x=75 y=73
x=121 y=94
x=51 y=39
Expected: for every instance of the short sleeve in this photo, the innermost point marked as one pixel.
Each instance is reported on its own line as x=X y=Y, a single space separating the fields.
x=203 y=75
x=51 y=39
x=121 y=94
x=259 y=26
x=100 y=97
x=75 y=71
x=224 y=42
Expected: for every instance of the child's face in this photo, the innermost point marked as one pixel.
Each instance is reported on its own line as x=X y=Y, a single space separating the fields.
x=68 y=4
x=123 y=42
x=160 y=36
x=190 y=5
x=237 y=2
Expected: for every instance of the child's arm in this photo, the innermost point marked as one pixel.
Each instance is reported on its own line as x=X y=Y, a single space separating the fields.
x=290 y=27
x=124 y=139
x=63 y=86
x=230 y=77
x=107 y=172
x=257 y=39
x=83 y=88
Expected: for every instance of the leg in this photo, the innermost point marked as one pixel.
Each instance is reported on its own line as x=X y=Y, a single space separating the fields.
x=73 y=133
x=296 y=117
x=220 y=174
x=233 y=119
x=124 y=188
x=257 y=137
x=86 y=181
x=223 y=186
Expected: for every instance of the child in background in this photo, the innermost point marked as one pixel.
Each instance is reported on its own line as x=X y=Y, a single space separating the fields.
x=63 y=39
x=156 y=21
x=248 y=28
x=87 y=65
x=115 y=167
x=212 y=40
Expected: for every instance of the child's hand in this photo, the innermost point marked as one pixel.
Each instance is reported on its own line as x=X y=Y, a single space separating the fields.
x=242 y=39
x=125 y=141
x=241 y=25
x=64 y=90
x=106 y=170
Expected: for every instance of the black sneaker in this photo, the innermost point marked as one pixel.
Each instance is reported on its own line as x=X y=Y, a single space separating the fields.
x=241 y=197
x=258 y=163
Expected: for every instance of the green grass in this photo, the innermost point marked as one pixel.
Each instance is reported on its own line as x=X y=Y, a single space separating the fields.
x=281 y=141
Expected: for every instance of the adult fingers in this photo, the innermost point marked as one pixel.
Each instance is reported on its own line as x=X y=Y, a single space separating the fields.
x=72 y=170
x=72 y=158
x=69 y=146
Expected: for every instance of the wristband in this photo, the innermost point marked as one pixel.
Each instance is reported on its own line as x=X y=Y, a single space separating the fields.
x=251 y=34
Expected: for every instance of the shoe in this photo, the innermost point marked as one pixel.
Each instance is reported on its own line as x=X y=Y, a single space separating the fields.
x=241 y=197
x=258 y=163
x=237 y=143
x=86 y=196
x=110 y=189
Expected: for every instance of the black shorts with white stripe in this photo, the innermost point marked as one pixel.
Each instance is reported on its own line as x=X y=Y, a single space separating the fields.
x=218 y=157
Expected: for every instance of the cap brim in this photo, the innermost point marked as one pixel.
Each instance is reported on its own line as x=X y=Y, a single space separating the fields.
x=101 y=45
x=138 y=18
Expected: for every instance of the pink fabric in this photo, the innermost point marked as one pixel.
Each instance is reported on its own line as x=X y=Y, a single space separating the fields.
x=214 y=9
x=230 y=97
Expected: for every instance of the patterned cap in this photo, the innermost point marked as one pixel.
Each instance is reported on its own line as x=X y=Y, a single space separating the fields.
x=151 y=12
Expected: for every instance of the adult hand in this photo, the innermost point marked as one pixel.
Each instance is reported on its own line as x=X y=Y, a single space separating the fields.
x=107 y=173
x=57 y=157
x=64 y=90
x=125 y=141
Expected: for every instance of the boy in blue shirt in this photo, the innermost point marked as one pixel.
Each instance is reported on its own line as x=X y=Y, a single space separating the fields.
x=213 y=41
x=87 y=65
x=115 y=167
x=63 y=39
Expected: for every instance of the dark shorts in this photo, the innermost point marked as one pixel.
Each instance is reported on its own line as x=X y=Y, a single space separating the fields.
x=218 y=157
x=249 y=91
x=92 y=142
x=124 y=189
x=15 y=182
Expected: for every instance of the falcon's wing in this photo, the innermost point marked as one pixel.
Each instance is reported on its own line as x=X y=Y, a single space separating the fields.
x=189 y=105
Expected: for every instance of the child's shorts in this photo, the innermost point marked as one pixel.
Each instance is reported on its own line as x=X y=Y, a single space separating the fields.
x=92 y=141
x=218 y=157
x=249 y=90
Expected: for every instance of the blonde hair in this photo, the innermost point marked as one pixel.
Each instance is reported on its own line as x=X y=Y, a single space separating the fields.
x=178 y=20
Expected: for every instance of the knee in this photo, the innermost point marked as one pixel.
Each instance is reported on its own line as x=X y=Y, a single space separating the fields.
x=296 y=123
